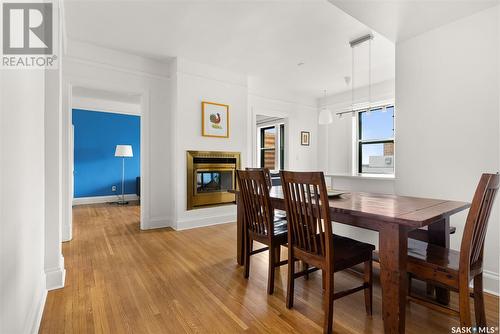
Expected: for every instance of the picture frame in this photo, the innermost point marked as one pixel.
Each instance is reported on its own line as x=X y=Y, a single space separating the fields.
x=214 y=119
x=305 y=138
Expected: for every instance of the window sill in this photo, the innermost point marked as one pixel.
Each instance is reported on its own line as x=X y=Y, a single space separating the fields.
x=382 y=177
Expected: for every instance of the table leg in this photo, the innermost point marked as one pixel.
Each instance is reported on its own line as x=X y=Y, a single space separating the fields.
x=240 y=243
x=439 y=234
x=393 y=250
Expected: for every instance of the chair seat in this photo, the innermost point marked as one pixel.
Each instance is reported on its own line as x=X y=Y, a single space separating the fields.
x=433 y=263
x=348 y=252
x=419 y=251
x=280 y=232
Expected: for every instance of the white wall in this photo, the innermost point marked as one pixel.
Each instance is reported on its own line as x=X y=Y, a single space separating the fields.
x=299 y=115
x=336 y=138
x=195 y=83
x=89 y=66
x=447 y=96
x=22 y=193
x=447 y=123
x=174 y=92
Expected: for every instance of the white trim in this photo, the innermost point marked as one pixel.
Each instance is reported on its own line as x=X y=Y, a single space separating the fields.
x=209 y=72
x=107 y=66
x=103 y=199
x=367 y=176
x=34 y=319
x=108 y=106
x=280 y=100
x=277 y=143
x=55 y=278
x=157 y=222
x=39 y=313
x=188 y=224
x=254 y=137
x=491 y=282
x=145 y=189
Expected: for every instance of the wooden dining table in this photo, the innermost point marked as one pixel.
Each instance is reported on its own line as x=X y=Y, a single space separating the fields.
x=395 y=218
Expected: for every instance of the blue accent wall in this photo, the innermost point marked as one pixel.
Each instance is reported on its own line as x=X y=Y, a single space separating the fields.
x=96 y=169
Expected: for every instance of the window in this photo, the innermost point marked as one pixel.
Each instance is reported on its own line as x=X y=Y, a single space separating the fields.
x=376 y=141
x=272 y=147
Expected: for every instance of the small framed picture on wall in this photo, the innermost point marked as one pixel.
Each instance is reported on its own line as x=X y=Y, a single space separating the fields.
x=214 y=119
x=305 y=138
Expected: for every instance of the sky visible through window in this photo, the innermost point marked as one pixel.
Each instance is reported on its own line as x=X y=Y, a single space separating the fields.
x=375 y=125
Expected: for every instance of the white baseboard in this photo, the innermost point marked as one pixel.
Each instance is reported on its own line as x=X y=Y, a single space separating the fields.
x=187 y=224
x=32 y=325
x=491 y=282
x=55 y=278
x=103 y=199
x=157 y=222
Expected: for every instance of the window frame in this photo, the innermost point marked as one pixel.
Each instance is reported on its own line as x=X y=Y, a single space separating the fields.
x=360 y=142
x=281 y=139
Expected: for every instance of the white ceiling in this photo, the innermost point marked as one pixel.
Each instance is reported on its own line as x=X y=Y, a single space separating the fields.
x=402 y=19
x=264 y=39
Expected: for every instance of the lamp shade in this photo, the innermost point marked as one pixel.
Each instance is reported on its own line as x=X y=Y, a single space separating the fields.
x=325 y=117
x=124 y=151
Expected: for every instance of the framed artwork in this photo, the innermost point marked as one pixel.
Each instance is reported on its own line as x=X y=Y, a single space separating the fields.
x=214 y=120
x=305 y=138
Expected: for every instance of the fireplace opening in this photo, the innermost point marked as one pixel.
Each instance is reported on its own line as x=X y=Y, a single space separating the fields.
x=210 y=177
x=210 y=181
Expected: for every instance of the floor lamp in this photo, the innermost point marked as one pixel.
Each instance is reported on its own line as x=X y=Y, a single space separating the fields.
x=123 y=151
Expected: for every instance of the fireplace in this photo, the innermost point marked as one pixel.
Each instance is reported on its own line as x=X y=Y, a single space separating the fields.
x=210 y=176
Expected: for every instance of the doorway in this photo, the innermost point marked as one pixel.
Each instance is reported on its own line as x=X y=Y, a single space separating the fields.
x=105 y=148
x=271 y=144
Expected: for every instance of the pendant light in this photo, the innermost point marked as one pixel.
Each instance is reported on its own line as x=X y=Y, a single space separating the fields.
x=352 y=79
x=354 y=43
x=325 y=116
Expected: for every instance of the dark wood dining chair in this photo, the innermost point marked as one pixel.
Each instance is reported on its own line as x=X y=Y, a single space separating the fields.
x=456 y=269
x=310 y=239
x=260 y=224
x=267 y=174
x=278 y=214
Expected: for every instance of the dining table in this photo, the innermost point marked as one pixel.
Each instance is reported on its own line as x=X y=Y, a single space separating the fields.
x=395 y=218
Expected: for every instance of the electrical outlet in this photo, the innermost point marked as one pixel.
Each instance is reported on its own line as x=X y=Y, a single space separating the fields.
x=113 y=188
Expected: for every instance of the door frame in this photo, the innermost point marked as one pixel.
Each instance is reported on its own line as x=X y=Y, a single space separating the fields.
x=271 y=113
x=68 y=86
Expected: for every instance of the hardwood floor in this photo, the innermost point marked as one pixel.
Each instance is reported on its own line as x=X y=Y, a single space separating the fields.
x=123 y=280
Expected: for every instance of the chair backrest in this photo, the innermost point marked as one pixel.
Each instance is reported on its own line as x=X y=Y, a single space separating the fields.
x=471 y=250
x=259 y=215
x=308 y=213
x=267 y=174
